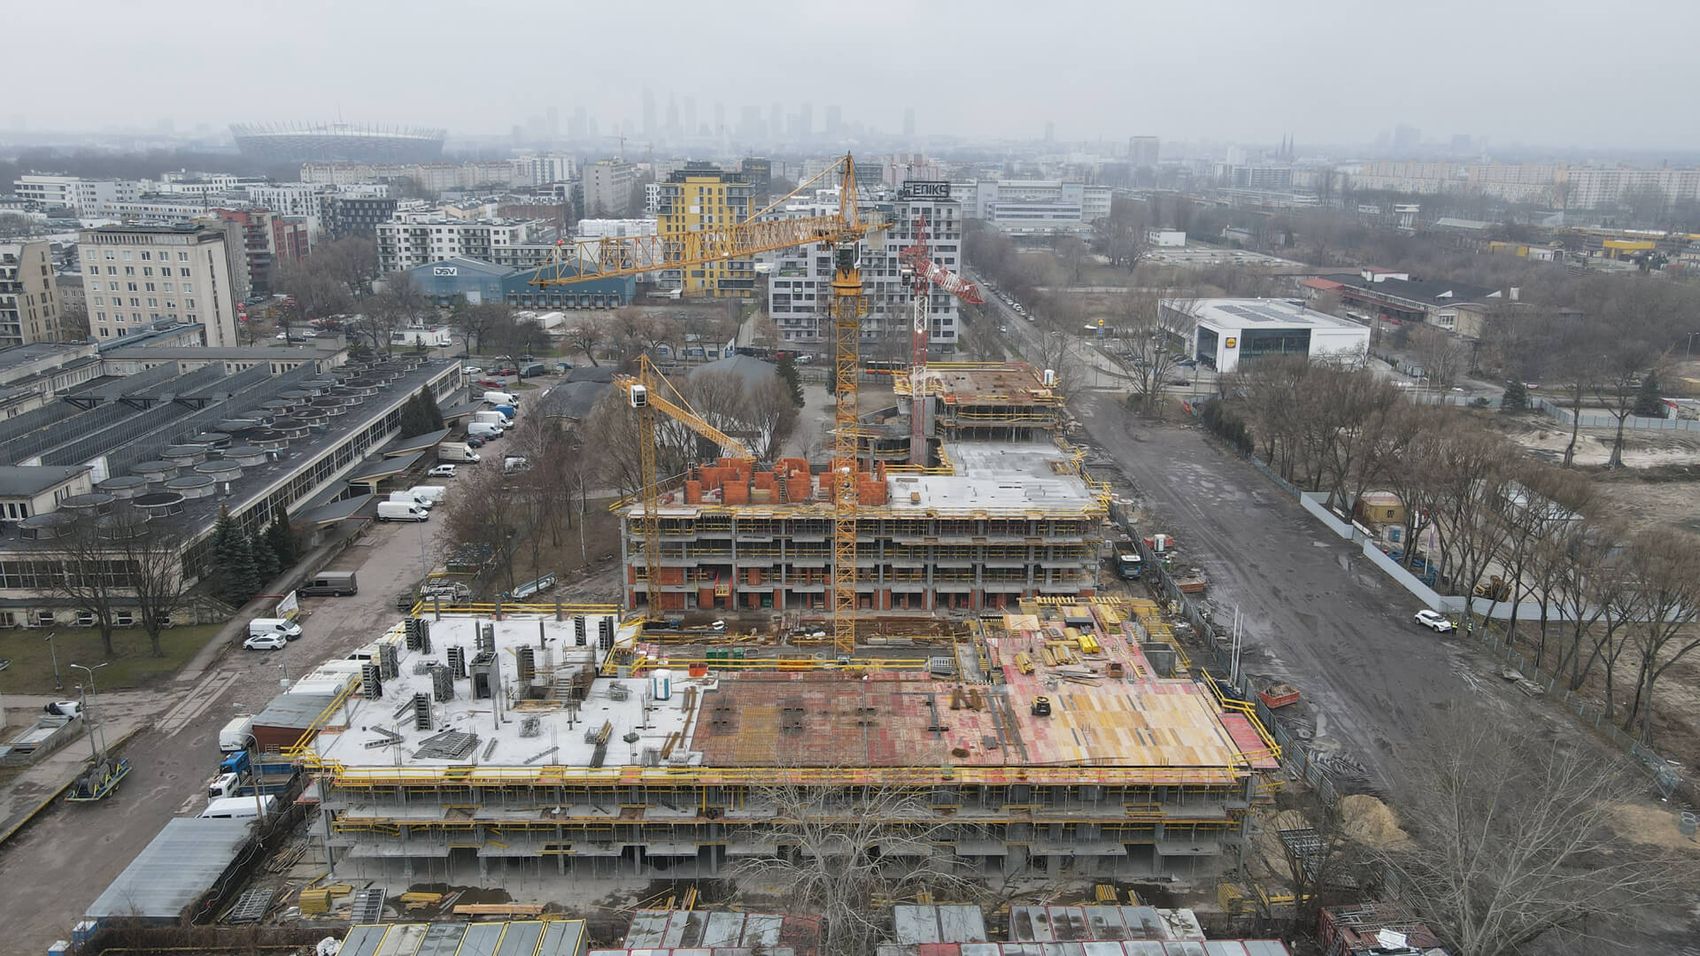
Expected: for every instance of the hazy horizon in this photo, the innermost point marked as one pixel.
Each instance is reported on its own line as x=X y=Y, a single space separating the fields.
x=1323 y=72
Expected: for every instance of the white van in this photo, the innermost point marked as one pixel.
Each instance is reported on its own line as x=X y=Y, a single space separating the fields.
x=484 y=430
x=431 y=493
x=402 y=511
x=409 y=498
x=501 y=398
x=493 y=417
x=273 y=625
x=234 y=735
x=238 y=808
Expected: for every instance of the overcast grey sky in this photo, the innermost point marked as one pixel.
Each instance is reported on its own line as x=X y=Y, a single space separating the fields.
x=1558 y=72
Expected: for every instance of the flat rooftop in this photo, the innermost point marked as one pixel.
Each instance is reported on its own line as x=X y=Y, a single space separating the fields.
x=989 y=476
x=1226 y=314
x=996 y=476
x=1004 y=382
x=1110 y=708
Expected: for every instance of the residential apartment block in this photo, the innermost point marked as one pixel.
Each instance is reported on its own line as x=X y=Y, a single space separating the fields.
x=697 y=197
x=610 y=189
x=415 y=240
x=88 y=197
x=800 y=284
x=29 y=301
x=136 y=277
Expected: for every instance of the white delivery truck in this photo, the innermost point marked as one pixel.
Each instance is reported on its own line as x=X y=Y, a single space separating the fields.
x=402 y=511
x=431 y=493
x=501 y=398
x=408 y=497
x=492 y=416
x=456 y=451
x=234 y=735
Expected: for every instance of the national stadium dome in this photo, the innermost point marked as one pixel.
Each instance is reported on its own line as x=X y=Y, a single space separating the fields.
x=337 y=142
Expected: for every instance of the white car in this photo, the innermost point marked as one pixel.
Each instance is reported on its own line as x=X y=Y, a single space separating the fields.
x=442 y=471
x=472 y=370
x=1434 y=621
x=266 y=642
x=63 y=708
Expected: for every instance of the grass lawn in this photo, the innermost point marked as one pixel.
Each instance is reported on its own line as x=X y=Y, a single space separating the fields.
x=133 y=666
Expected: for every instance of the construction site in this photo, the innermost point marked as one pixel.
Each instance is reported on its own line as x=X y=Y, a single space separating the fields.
x=996 y=507
x=1057 y=740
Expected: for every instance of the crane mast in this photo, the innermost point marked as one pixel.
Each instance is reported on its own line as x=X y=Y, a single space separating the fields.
x=588 y=260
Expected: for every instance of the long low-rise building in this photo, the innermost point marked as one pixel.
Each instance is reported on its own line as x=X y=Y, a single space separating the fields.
x=1062 y=739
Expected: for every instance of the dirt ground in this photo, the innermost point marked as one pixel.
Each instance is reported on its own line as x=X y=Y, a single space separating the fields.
x=1641 y=449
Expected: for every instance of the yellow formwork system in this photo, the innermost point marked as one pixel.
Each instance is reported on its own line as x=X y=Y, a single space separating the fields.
x=1248 y=711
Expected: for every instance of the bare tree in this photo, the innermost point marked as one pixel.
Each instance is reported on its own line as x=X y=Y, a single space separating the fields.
x=484 y=511
x=91 y=576
x=1664 y=568
x=1151 y=340
x=1442 y=360
x=152 y=553
x=74 y=323
x=1513 y=844
x=771 y=418
x=474 y=322
x=1617 y=384
x=835 y=858
x=587 y=333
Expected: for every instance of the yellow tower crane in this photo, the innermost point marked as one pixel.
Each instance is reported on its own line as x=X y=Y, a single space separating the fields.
x=841 y=231
x=647 y=392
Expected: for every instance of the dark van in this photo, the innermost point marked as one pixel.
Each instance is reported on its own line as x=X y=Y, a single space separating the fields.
x=330 y=584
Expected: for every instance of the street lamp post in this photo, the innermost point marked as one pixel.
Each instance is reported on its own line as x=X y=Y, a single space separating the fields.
x=89 y=704
x=53 y=651
x=254 y=775
x=1689 y=351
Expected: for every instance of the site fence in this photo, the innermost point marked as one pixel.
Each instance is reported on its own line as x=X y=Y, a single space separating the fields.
x=1593 y=419
x=1666 y=775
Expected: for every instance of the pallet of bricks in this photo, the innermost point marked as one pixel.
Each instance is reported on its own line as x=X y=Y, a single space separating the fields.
x=1365 y=928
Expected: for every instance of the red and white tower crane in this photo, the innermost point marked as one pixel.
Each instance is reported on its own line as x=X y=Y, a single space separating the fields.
x=925 y=274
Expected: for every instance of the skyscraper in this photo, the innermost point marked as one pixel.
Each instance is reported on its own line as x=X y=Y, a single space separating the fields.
x=1142 y=151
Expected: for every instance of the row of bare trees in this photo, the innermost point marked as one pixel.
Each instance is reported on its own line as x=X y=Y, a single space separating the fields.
x=1607 y=602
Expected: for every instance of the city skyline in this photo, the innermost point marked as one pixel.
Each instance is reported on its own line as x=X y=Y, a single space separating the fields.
x=960 y=71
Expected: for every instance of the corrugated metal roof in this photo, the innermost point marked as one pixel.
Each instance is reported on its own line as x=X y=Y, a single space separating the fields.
x=178 y=865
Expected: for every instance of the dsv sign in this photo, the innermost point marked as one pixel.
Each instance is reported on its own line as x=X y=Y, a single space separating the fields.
x=445 y=270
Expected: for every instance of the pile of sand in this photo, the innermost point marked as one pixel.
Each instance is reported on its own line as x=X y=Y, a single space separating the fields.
x=1368 y=821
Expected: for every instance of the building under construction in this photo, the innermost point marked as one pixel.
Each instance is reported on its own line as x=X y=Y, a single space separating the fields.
x=1059 y=738
x=999 y=510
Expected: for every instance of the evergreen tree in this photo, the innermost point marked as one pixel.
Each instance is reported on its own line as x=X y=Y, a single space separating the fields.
x=1516 y=397
x=281 y=541
x=1648 y=402
x=419 y=415
x=793 y=381
x=265 y=559
x=432 y=412
x=232 y=573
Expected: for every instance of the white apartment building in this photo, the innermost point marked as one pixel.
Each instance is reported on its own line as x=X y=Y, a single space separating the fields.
x=88 y=197
x=29 y=303
x=800 y=283
x=545 y=168
x=413 y=239
x=651 y=199
x=608 y=188
x=1034 y=206
x=589 y=230
x=157 y=208
x=135 y=277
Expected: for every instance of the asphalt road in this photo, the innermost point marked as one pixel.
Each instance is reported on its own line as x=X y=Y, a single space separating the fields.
x=56 y=866
x=1315 y=612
